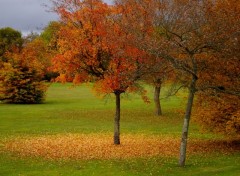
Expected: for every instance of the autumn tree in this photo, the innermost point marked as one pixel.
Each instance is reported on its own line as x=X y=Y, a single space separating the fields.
x=21 y=79
x=43 y=47
x=10 y=40
x=192 y=35
x=217 y=107
x=41 y=51
x=188 y=34
x=94 y=48
x=50 y=34
x=136 y=22
x=159 y=72
x=21 y=73
x=38 y=50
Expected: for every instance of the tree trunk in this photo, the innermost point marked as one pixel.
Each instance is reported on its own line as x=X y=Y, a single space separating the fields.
x=117 y=119
x=158 y=109
x=187 y=117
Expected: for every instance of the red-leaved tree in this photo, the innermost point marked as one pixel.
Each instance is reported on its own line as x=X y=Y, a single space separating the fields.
x=93 y=47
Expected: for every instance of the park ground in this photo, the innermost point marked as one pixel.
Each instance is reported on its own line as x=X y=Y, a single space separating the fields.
x=71 y=134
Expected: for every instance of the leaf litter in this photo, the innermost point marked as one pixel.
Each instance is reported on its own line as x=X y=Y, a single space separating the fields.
x=100 y=146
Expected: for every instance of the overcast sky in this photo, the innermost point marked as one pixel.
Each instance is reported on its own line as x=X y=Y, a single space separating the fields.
x=26 y=15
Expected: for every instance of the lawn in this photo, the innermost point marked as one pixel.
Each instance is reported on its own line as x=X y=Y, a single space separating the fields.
x=77 y=111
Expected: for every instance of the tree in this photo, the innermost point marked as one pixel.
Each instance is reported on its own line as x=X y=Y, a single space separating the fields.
x=50 y=35
x=40 y=51
x=49 y=38
x=21 y=72
x=135 y=21
x=30 y=37
x=156 y=75
x=191 y=33
x=94 y=48
x=10 y=40
x=217 y=107
x=188 y=34
x=222 y=88
x=20 y=80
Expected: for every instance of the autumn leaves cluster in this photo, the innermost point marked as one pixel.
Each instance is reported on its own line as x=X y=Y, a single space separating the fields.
x=99 y=146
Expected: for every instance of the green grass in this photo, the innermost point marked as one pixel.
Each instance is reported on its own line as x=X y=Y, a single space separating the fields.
x=77 y=110
x=197 y=166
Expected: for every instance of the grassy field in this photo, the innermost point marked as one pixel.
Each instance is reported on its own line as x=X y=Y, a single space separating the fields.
x=77 y=111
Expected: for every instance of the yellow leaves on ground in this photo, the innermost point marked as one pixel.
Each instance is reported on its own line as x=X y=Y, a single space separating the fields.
x=100 y=146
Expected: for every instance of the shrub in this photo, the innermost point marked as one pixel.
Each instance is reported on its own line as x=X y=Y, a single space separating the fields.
x=219 y=114
x=21 y=82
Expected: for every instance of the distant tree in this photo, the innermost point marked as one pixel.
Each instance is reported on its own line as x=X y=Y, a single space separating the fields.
x=21 y=80
x=30 y=37
x=50 y=35
x=21 y=73
x=136 y=23
x=10 y=40
x=38 y=50
x=158 y=73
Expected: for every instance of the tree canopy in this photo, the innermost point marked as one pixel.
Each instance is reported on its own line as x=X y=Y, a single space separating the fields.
x=10 y=39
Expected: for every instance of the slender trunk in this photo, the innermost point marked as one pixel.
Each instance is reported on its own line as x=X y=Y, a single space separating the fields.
x=117 y=119
x=158 y=109
x=187 y=117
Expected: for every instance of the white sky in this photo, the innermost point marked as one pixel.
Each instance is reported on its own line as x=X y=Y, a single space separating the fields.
x=26 y=15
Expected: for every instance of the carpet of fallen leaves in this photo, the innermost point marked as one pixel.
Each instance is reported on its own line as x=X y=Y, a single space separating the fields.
x=100 y=146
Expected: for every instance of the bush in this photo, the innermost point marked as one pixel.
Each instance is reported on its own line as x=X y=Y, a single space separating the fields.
x=21 y=83
x=219 y=114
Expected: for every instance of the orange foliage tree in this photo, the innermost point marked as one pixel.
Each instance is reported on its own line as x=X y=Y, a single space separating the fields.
x=197 y=38
x=38 y=50
x=135 y=21
x=92 y=47
x=217 y=106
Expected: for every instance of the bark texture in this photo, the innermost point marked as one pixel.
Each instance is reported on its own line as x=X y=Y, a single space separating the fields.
x=183 y=147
